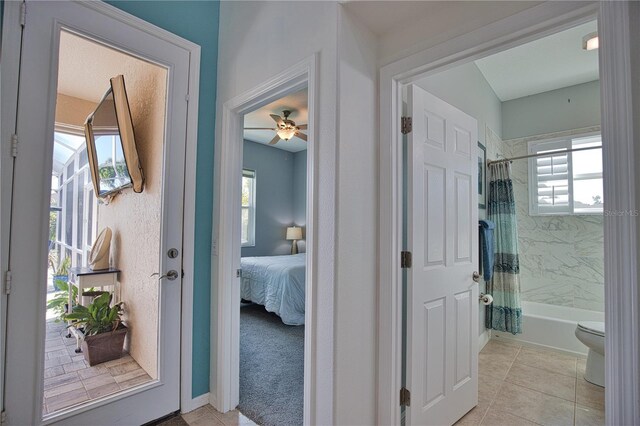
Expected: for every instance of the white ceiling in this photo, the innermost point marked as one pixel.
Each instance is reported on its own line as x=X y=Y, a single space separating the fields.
x=296 y=103
x=549 y=63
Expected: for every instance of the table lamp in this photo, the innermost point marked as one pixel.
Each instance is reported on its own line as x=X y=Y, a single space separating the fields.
x=294 y=233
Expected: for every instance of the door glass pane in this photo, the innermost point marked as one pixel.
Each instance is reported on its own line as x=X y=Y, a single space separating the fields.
x=135 y=221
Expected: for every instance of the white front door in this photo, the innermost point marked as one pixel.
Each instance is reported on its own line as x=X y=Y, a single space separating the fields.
x=25 y=349
x=442 y=317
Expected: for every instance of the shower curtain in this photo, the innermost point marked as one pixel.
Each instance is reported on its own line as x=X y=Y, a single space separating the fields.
x=505 y=314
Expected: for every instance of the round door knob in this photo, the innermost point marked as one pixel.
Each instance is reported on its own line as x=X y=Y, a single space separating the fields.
x=476 y=276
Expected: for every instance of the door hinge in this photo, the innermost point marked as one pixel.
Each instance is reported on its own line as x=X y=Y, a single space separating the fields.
x=186 y=97
x=3 y=418
x=7 y=282
x=405 y=397
x=407 y=125
x=14 y=145
x=238 y=273
x=405 y=259
x=23 y=14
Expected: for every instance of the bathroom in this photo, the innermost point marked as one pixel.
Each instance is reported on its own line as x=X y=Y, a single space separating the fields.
x=537 y=98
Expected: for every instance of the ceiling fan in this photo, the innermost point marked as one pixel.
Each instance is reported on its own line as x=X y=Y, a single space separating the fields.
x=285 y=129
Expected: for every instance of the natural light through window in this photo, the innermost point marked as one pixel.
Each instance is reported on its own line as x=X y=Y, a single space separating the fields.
x=248 y=208
x=566 y=182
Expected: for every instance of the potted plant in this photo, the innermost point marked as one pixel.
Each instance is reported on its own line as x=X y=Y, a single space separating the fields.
x=61 y=274
x=102 y=328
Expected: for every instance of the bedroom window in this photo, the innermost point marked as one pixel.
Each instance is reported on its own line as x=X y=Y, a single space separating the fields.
x=566 y=183
x=248 y=208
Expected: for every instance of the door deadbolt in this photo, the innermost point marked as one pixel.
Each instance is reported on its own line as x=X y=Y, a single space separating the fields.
x=173 y=253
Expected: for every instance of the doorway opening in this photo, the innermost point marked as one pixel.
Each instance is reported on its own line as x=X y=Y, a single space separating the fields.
x=408 y=73
x=71 y=376
x=273 y=261
x=538 y=112
x=287 y=224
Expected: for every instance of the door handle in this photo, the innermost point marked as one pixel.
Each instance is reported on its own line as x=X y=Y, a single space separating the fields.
x=476 y=276
x=171 y=275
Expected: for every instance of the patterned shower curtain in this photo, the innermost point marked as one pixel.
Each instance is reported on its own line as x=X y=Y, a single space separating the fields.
x=505 y=314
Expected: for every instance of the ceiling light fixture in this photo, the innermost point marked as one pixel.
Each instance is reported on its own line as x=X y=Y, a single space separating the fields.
x=590 y=41
x=286 y=133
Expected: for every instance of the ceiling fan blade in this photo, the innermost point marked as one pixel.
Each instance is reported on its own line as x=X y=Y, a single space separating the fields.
x=302 y=127
x=301 y=136
x=277 y=119
x=275 y=140
x=259 y=128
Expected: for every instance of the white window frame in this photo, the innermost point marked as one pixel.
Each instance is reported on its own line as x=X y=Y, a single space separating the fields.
x=565 y=143
x=82 y=186
x=251 y=241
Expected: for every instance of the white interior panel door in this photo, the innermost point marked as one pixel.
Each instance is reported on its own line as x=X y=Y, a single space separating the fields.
x=442 y=318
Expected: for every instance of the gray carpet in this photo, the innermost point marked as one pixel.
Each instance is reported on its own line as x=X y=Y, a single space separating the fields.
x=271 y=368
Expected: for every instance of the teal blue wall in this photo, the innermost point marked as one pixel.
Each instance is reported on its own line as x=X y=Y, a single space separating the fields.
x=196 y=21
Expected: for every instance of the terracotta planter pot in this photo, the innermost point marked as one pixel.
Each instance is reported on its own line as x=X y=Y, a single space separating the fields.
x=104 y=347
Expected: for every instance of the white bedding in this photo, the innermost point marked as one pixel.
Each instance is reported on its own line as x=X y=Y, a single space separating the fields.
x=277 y=283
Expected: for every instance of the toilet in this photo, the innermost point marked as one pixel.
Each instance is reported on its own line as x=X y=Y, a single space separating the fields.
x=591 y=333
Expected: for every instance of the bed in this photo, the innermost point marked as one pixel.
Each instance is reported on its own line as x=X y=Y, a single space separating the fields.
x=277 y=283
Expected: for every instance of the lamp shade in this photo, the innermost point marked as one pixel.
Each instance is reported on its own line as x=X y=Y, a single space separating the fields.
x=294 y=233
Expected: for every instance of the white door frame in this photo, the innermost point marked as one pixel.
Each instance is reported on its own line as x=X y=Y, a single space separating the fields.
x=226 y=297
x=11 y=68
x=623 y=376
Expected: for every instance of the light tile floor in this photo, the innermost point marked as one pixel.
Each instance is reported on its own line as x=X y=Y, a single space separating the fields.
x=519 y=385
x=208 y=416
x=68 y=379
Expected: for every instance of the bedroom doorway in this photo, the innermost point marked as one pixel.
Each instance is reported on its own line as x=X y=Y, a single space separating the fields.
x=264 y=252
x=272 y=264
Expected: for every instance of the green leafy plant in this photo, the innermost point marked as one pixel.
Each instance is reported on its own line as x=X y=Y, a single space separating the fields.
x=59 y=301
x=98 y=317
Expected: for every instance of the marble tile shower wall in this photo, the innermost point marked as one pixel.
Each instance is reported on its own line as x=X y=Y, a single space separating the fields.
x=561 y=257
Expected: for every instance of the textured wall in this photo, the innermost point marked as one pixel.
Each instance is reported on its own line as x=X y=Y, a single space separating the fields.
x=135 y=218
x=561 y=257
x=274 y=198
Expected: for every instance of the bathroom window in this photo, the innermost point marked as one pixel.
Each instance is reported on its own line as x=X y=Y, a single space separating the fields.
x=248 y=221
x=566 y=183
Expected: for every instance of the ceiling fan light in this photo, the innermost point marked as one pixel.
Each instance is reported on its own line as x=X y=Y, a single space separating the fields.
x=286 y=134
x=590 y=41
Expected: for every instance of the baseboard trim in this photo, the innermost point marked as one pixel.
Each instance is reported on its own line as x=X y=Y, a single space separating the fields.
x=528 y=343
x=212 y=400
x=483 y=339
x=197 y=402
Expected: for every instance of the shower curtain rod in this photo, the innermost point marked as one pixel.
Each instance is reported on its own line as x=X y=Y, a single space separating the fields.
x=544 y=154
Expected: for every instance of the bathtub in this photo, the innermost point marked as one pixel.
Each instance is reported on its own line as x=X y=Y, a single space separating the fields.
x=551 y=326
